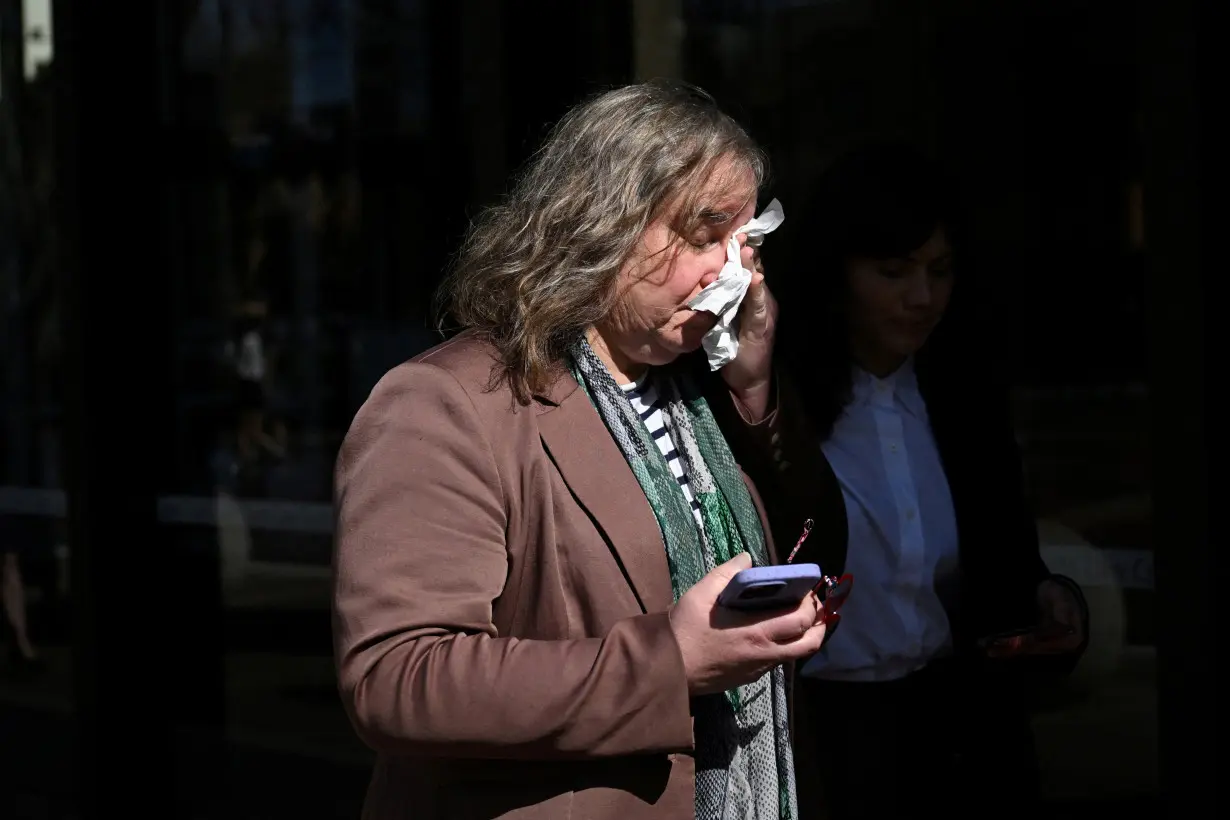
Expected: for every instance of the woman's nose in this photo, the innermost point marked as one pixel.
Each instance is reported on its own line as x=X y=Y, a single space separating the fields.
x=714 y=262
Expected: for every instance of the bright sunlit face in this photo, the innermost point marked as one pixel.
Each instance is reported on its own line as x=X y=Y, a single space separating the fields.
x=652 y=324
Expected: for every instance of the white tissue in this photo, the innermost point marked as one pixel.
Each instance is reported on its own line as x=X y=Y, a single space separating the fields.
x=723 y=297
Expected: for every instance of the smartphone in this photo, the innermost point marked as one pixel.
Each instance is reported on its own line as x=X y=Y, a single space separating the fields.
x=1024 y=641
x=776 y=587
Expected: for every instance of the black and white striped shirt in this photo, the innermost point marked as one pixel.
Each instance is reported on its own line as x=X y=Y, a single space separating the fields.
x=647 y=402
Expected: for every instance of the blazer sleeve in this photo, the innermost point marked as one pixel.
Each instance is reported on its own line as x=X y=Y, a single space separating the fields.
x=1025 y=564
x=781 y=454
x=1023 y=559
x=1022 y=568
x=420 y=556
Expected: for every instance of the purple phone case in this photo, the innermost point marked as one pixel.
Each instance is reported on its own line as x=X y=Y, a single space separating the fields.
x=773 y=587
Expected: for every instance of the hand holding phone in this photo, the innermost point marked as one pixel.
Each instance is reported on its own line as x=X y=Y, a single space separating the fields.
x=1042 y=639
x=724 y=647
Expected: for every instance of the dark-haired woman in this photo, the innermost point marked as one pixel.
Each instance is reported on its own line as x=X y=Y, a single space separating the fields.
x=907 y=708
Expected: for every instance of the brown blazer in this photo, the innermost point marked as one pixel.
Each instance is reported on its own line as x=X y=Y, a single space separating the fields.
x=500 y=604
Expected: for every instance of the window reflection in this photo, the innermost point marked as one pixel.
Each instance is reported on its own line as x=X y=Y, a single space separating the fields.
x=300 y=92
x=35 y=666
x=328 y=152
x=1056 y=244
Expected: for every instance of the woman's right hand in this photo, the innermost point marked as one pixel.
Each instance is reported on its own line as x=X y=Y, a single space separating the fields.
x=723 y=648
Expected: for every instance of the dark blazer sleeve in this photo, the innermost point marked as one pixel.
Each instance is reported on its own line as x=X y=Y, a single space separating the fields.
x=1001 y=554
x=781 y=454
x=1021 y=557
x=420 y=556
x=1024 y=564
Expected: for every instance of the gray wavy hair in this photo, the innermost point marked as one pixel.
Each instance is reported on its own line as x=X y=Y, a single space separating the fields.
x=540 y=268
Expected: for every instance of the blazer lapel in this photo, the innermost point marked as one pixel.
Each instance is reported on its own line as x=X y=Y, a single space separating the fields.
x=598 y=475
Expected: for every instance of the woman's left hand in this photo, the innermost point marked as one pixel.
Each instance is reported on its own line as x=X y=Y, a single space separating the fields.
x=1058 y=605
x=750 y=375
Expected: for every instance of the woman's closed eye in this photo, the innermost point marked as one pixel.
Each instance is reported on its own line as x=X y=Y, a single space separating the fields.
x=941 y=269
x=894 y=269
x=702 y=241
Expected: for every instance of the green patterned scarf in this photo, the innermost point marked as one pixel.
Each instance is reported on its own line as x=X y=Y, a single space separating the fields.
x=744 y=766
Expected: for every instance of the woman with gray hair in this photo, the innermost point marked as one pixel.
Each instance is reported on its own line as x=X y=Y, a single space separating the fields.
x=535 y=519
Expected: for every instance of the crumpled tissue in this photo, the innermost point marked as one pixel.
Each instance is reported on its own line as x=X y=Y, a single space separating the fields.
x=723 y=297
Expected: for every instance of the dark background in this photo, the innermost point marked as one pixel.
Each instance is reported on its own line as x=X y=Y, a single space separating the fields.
x=147 y=148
